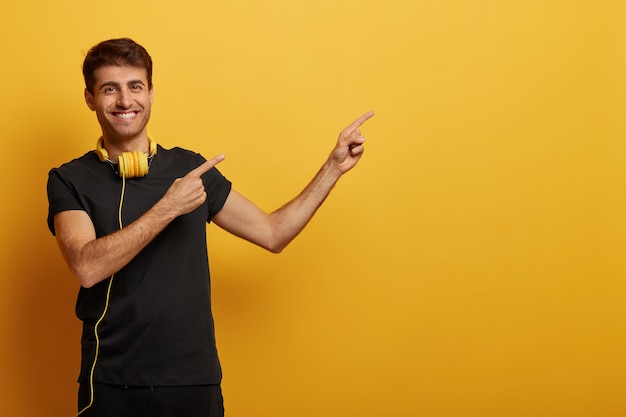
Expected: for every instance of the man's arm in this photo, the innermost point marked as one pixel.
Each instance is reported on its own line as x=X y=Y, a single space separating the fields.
x=274 y=231
x=93 y=259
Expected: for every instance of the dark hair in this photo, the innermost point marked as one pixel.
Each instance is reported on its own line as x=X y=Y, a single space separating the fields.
x=120 y=52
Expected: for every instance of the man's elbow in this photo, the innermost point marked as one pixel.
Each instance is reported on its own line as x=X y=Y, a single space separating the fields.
x=276 y=249
x=86 y=283
x=86 y=276
x=276 y=245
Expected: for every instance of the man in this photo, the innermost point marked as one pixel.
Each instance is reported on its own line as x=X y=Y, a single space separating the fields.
x=130 y=220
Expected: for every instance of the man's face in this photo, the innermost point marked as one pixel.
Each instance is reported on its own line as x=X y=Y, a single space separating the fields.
x=121 y=100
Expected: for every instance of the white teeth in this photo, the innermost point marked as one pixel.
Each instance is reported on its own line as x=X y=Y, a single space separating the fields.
x=125 y=115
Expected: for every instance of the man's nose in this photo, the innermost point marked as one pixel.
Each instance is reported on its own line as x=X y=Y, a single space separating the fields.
x=123 y=99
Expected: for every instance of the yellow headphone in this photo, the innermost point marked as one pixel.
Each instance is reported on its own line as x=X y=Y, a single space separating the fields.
x=130 y=164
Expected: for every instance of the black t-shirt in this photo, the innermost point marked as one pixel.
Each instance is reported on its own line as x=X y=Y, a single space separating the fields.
x=158 y=327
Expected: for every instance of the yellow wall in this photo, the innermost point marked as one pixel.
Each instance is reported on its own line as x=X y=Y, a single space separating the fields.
x=473 y=263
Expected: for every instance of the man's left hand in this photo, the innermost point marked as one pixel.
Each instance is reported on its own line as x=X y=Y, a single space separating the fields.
x=349 y=148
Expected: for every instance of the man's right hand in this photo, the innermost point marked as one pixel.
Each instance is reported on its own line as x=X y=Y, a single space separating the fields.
x=187 y=193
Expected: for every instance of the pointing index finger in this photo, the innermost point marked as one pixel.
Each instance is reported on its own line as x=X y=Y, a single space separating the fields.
x=358 y=122
x=206 y=166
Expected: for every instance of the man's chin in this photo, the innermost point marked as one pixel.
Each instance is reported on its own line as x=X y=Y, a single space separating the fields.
x=127 y=131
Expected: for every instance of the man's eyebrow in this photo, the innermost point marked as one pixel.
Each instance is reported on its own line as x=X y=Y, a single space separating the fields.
x=108 y=84
x=116 y=84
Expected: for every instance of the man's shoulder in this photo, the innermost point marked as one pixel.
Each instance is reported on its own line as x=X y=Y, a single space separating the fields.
x=83 y=161
x=179 y=155
x=87 y=157
x=177 y=150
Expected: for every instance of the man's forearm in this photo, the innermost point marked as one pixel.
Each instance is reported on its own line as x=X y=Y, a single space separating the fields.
x=289 y=220
x=93 y=260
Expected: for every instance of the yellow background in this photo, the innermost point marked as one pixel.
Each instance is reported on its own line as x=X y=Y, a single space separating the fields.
x=471 y=265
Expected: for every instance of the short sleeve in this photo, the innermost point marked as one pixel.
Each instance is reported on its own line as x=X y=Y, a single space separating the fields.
x=61 y=197
x=217 y=188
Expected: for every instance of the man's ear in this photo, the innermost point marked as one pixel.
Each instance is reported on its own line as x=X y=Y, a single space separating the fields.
x=151 y=95
x=89 y=100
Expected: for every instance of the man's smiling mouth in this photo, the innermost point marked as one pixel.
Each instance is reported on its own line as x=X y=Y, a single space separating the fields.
x=125 y=116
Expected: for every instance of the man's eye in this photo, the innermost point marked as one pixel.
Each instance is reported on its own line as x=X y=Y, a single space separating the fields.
x=137 y=87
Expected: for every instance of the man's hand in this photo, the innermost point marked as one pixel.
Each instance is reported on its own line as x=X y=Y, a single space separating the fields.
x=187 y=193
x=349 y=148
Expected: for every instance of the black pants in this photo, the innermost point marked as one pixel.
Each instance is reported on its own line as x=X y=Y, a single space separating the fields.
x=126 y=401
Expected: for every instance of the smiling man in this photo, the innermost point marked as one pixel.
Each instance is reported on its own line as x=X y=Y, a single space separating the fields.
x=130 y=220
x=121 y=99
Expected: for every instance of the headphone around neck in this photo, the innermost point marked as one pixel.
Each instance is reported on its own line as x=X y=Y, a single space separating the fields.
x=130 y=164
